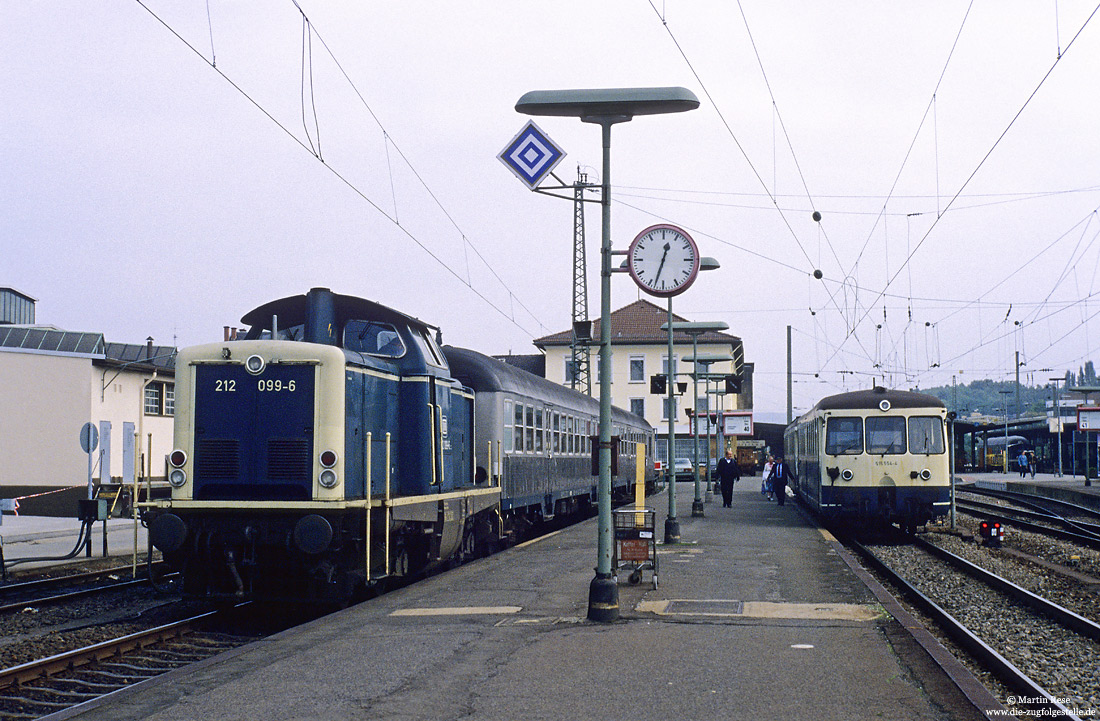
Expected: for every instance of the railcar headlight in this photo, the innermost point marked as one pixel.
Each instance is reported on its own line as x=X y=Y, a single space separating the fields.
x=328 y=478
x=926 y=475
x=177 y=458
x=847 y=474
x=328 y=458
x=177 y=478
x=255 y=365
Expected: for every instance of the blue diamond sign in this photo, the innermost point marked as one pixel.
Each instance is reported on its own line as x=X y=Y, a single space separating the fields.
x=531 y=155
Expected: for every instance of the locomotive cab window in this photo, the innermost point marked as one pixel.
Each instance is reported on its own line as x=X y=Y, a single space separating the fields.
x=373 y=338
x=844 y=436
x=886 y=436
x=926 y=435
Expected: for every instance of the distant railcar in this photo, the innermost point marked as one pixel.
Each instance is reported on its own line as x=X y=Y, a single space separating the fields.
x=872 y=455
x=338 y=446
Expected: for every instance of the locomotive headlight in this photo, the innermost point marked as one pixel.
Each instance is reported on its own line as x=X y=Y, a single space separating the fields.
x=328 y=458
x=177 y=458
x=177 y=478
x=847 y=474
x=926 y=475
x=255 y=365
x=328 y=478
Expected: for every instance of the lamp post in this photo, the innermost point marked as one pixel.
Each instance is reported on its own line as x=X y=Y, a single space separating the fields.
x=695 y=329
x=605 y=108
x=706 y=360
x=1058 y=421
x=1005 y=394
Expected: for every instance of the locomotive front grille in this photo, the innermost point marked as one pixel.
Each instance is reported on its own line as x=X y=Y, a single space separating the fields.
x=288 y=459
x=218 y=459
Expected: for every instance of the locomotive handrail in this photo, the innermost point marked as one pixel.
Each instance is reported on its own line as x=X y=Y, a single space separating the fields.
x=431 y=435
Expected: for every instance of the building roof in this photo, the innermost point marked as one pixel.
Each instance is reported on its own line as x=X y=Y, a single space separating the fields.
x=50 y=340
x=640 y=324
x=141 y=357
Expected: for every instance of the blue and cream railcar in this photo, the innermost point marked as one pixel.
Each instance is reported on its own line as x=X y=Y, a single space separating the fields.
x=329 y=448
x=872 y=455
x=534 y=438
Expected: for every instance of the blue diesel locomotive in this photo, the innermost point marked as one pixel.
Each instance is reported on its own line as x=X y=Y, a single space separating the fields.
x=872 y=456
x=338 y=446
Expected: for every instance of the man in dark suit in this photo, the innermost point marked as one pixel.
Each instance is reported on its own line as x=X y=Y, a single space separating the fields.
x=728 y=473
x=781 y=473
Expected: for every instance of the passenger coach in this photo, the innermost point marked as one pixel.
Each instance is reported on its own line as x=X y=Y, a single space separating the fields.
x=872 y=455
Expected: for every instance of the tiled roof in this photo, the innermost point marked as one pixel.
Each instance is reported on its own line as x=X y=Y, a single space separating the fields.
x=639 y=324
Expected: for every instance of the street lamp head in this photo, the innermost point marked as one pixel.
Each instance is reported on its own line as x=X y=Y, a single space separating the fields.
x=696 y=328
x=708 y=263
x=609 y=104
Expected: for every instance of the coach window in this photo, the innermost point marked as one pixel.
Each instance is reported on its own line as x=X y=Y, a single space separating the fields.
x=844 y=436
x=886 y=435
x=925 y=435
x=508 y=426
x=556 y=430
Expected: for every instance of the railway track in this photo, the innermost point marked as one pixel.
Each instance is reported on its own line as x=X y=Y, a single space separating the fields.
x=48 y=685
x=1045 y=654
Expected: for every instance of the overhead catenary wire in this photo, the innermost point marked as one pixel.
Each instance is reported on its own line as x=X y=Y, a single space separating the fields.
x=308 y=147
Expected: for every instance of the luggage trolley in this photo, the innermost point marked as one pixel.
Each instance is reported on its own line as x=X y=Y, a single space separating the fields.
x=635 y=544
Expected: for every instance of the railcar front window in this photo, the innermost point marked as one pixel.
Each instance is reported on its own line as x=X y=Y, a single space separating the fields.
x=844 y=436
x=886 y=436
x=926 y=435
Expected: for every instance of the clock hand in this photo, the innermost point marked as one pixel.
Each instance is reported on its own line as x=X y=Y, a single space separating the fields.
x=662 y=265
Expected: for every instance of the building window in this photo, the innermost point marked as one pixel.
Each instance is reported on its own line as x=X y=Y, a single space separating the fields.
x=570 y=371
x=637 y=406
x=160 y=399
x=668 y=408
x=664 y=364
x=637 y=369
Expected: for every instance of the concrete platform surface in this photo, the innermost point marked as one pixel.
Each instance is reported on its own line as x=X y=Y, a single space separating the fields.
x=40 y=541
x=756 y=616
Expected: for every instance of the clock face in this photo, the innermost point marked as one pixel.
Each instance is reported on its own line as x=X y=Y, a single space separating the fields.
x=663 y=260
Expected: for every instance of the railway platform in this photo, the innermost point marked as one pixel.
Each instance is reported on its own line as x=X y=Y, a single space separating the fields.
x=1064 y=488
x=46 y=538
x=758 y=614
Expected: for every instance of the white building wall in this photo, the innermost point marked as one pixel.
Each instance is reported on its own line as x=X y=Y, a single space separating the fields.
x=623 y=389
x=44 y=401
x=121 y=401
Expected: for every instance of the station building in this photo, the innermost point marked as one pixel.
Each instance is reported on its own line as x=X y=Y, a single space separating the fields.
x=639 y=351
x=52 y=383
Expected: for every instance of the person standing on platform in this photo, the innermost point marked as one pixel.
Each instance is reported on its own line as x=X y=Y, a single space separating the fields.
x=781 y=473
x=765 y=478
x=728 y=473
x=1021 y=462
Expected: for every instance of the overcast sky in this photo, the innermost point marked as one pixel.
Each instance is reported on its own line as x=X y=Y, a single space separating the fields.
x=169 y=166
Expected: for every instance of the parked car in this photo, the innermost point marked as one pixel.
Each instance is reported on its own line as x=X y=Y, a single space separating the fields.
x=684 y=470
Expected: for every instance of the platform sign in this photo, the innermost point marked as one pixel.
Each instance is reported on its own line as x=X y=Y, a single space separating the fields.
x=531 y=155
x=737 y=424
x=1088 y=418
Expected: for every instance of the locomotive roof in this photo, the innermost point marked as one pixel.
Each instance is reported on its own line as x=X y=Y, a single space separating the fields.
x=293 y=309
x=871 y=399
x=489 y=375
